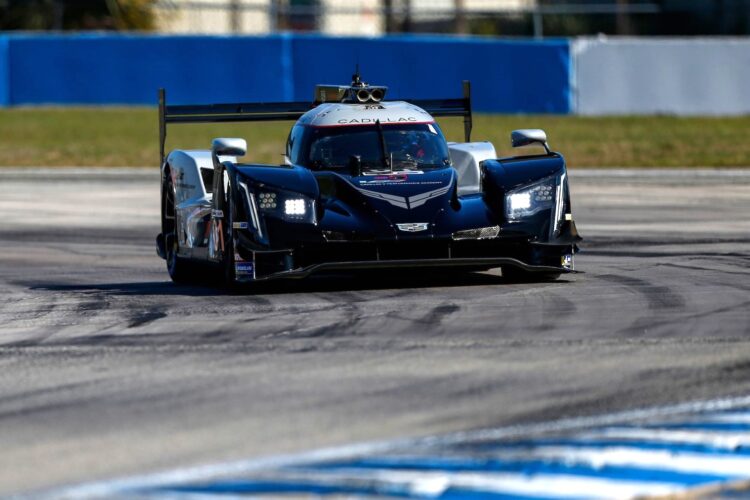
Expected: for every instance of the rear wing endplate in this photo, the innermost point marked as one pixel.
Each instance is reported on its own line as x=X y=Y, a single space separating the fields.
x=281 y=111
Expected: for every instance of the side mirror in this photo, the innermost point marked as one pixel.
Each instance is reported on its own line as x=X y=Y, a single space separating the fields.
x=226 y=146
x=529 y=137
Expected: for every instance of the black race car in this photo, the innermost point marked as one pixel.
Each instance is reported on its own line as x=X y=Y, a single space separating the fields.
x=366 y=184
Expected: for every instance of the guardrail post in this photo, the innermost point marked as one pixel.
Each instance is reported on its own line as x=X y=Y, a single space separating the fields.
x=538 y=24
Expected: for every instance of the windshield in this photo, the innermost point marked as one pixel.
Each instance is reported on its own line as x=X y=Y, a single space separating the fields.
x=386 y=147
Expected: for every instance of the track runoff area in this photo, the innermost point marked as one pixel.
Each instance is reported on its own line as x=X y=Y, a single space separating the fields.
x=120 y=383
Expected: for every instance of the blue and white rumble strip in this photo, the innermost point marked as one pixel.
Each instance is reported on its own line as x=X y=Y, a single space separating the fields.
x=648 y=452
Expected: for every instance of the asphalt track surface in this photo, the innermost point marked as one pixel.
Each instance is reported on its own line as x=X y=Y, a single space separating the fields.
x=107 y=369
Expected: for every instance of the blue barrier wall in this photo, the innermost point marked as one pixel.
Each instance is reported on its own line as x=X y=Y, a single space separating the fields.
x=506 y=76
x=4 y=71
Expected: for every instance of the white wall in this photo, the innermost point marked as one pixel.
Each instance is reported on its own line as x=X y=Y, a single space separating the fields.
x=351 y=17
x=212 y=17
x=697 y=76
x=336 y=17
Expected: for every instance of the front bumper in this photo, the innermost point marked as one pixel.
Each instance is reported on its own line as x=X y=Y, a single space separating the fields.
x=467 y=263
x=311 y=258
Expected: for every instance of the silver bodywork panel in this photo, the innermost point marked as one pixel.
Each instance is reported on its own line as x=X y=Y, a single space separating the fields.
x=466 y=158
x=193 y=199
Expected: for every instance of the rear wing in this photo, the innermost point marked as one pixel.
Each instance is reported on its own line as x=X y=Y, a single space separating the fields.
x=281 y=111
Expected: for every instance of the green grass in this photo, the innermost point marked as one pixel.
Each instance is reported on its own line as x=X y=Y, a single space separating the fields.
x=129 y=137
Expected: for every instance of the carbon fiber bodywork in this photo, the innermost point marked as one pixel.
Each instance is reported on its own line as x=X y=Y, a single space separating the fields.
x=357 y=228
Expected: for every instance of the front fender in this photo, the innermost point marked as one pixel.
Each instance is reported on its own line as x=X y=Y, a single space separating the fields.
x=504 y=175
x=254 y=229
x=288 y=178
x=507 y=174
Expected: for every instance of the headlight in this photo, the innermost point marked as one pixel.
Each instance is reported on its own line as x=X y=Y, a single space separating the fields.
x=267 y=201
x=532 y=199
x=285 y=205
x=295 y=207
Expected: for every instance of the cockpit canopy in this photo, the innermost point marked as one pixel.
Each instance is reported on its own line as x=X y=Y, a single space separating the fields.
x=379 y=147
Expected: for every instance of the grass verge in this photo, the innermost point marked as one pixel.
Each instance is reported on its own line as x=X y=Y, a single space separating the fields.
x=128 y=137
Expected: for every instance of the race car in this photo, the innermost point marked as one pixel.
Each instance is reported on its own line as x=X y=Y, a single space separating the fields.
x=366 y=183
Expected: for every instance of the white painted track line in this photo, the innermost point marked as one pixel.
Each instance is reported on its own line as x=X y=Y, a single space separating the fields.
x=717 y=439
x=656 y=460
x=432 y=484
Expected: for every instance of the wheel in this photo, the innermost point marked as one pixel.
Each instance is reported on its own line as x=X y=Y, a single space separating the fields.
x=517 y=275
x=180 y=270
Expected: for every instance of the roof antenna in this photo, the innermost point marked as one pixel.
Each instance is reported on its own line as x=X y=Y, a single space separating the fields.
x=356 y=79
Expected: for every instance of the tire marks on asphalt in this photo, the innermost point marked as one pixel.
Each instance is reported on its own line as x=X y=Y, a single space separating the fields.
x=142 y=318
x=658 y=297
x=438 y=314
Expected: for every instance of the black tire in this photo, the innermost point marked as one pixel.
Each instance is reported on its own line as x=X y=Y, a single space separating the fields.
x=517 y=275
x=182 y=271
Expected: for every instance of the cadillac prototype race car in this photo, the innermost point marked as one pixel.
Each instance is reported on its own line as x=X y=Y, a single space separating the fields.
x=366 y=184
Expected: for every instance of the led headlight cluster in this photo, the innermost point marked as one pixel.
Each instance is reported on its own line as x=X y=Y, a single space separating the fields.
x=543 y=193
x=279 y=203
x=267 y=201
x=531 y=199
x=294 y=207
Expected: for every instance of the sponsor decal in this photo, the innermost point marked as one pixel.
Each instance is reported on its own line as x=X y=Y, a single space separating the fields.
x=567 y=261
x=217 y=214
x=400 y=183
x=420 y=199
x=407 y=203
x=243 y=268
x=397 y=201
x=413 y=227
x=391 y=177
x=403 y=119
x=239 y=225
x=385 y=179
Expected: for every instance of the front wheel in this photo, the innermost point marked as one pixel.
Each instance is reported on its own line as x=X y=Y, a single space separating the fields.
x=181 y=270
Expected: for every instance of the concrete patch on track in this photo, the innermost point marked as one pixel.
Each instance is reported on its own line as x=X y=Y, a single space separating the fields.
x=697 y=447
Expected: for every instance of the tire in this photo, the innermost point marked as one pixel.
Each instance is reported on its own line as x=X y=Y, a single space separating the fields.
x=517 y=275
x=182 y=271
